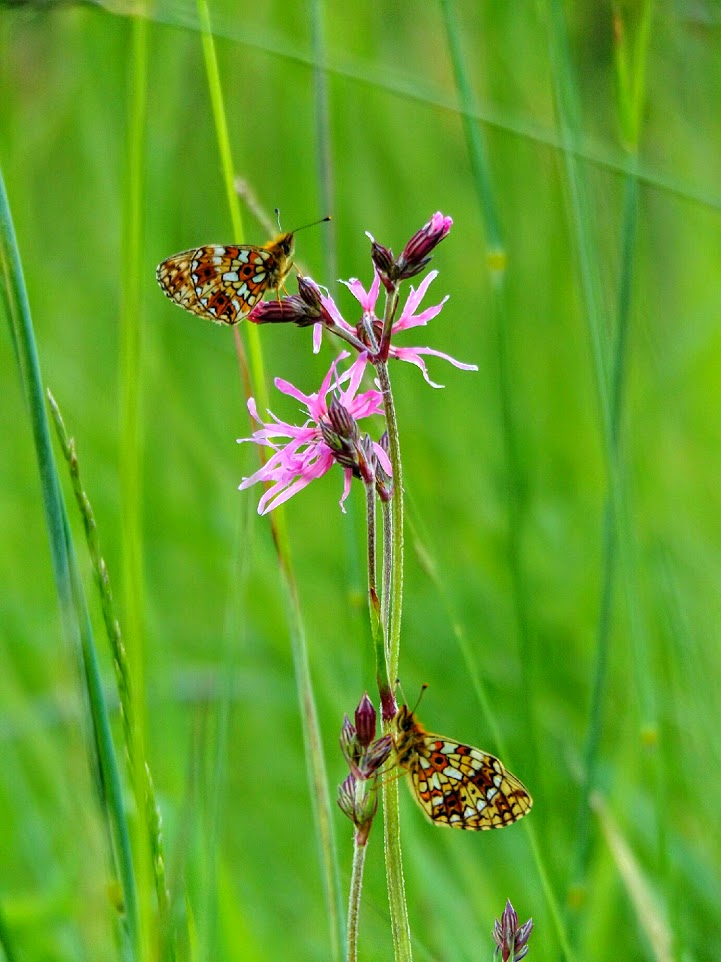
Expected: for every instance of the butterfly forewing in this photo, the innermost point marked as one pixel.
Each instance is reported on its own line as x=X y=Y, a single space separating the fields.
x=455 y=784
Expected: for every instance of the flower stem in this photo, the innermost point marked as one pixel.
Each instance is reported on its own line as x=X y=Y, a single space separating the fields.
x=378 y=632
x=354 y=898
x=391 y=617
x=393 y=587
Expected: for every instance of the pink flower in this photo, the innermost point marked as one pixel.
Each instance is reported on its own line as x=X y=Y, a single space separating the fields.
x=408 y=319
x=306 y=455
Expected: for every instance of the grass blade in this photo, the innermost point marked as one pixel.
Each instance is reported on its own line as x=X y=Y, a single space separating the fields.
x=73 y=608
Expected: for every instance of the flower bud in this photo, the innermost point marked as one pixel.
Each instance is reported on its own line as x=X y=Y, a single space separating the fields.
x=511 y=940
x=384 y=262
x=342 y=435
x=349 y=742
x=288 y=310
x=376 y=755
x=367 y=460
x=415 y=254
x=384 y=482
x=346 y=798
x=310 y=293
x=365 y=721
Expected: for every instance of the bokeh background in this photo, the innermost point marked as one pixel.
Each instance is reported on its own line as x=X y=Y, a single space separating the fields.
x=564 y=522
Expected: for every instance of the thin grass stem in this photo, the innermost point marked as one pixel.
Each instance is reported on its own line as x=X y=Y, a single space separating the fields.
x=131 y=452
x=315 y=760
x=354 y=898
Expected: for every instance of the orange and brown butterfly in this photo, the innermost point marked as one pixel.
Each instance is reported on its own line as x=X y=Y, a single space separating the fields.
x=456 y=784
x=223 y=283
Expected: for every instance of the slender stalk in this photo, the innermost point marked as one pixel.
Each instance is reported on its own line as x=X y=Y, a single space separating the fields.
x=400 y=926
x=324 y=157
x=131 y=459
x=315 y=760
x=387 y=594
x=609 y=356
x=354 y=899
x=393 y=588
x=374 y=606
x=496 y=261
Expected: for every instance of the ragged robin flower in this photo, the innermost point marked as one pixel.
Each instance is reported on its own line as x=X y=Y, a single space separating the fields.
x=408 y=319
x=330 y=435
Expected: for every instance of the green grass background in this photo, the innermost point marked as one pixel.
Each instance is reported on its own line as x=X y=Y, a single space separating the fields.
x=509 y=472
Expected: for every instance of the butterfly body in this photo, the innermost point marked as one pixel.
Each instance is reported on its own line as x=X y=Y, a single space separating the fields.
x=224 y=283
x=455 y=784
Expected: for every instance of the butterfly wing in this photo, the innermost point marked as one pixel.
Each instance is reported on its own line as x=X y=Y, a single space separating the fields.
x=463 y=787
x=220 y=283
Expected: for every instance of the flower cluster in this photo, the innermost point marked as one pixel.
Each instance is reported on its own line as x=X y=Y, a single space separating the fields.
x=331 y=434
x=358 y=796
x=511 y=938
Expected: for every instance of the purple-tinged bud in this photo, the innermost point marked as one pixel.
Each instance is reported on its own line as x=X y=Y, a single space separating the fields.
x=511 y=940
x=342 y=435
x=309 y=291
x=415 y=254
x=384 y=482
x=365 y=721
x=349 y=742
x=359 y=804
x=367 y=460
x=289 y=310
x=346 y=798
x=384 y=262
x=376 y=755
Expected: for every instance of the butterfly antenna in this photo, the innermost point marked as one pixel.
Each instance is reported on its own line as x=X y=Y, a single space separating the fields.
x=418 y=700
x=321 y=221
x=276 y=211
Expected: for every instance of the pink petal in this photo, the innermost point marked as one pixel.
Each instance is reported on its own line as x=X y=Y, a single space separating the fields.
x=416 y=296
x=346 y=488
x=382 y=456
x=355 y=375
x=406 y=321
x=330 y=305
x=411 y=354
x=358 y=291
x=285 y=387
x=317 y=337
x=445 y=357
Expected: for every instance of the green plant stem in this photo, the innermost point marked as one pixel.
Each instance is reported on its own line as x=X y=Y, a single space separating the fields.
x=496 y=262
x=315 y=760
x=386 y=598
x=374 y=605
x=393 y=586
x=400 y=926
x=324 y=156
x=354 y=899
x=131 y=460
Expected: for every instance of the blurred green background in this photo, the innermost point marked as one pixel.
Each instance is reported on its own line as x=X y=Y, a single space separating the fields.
x=585 y=143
